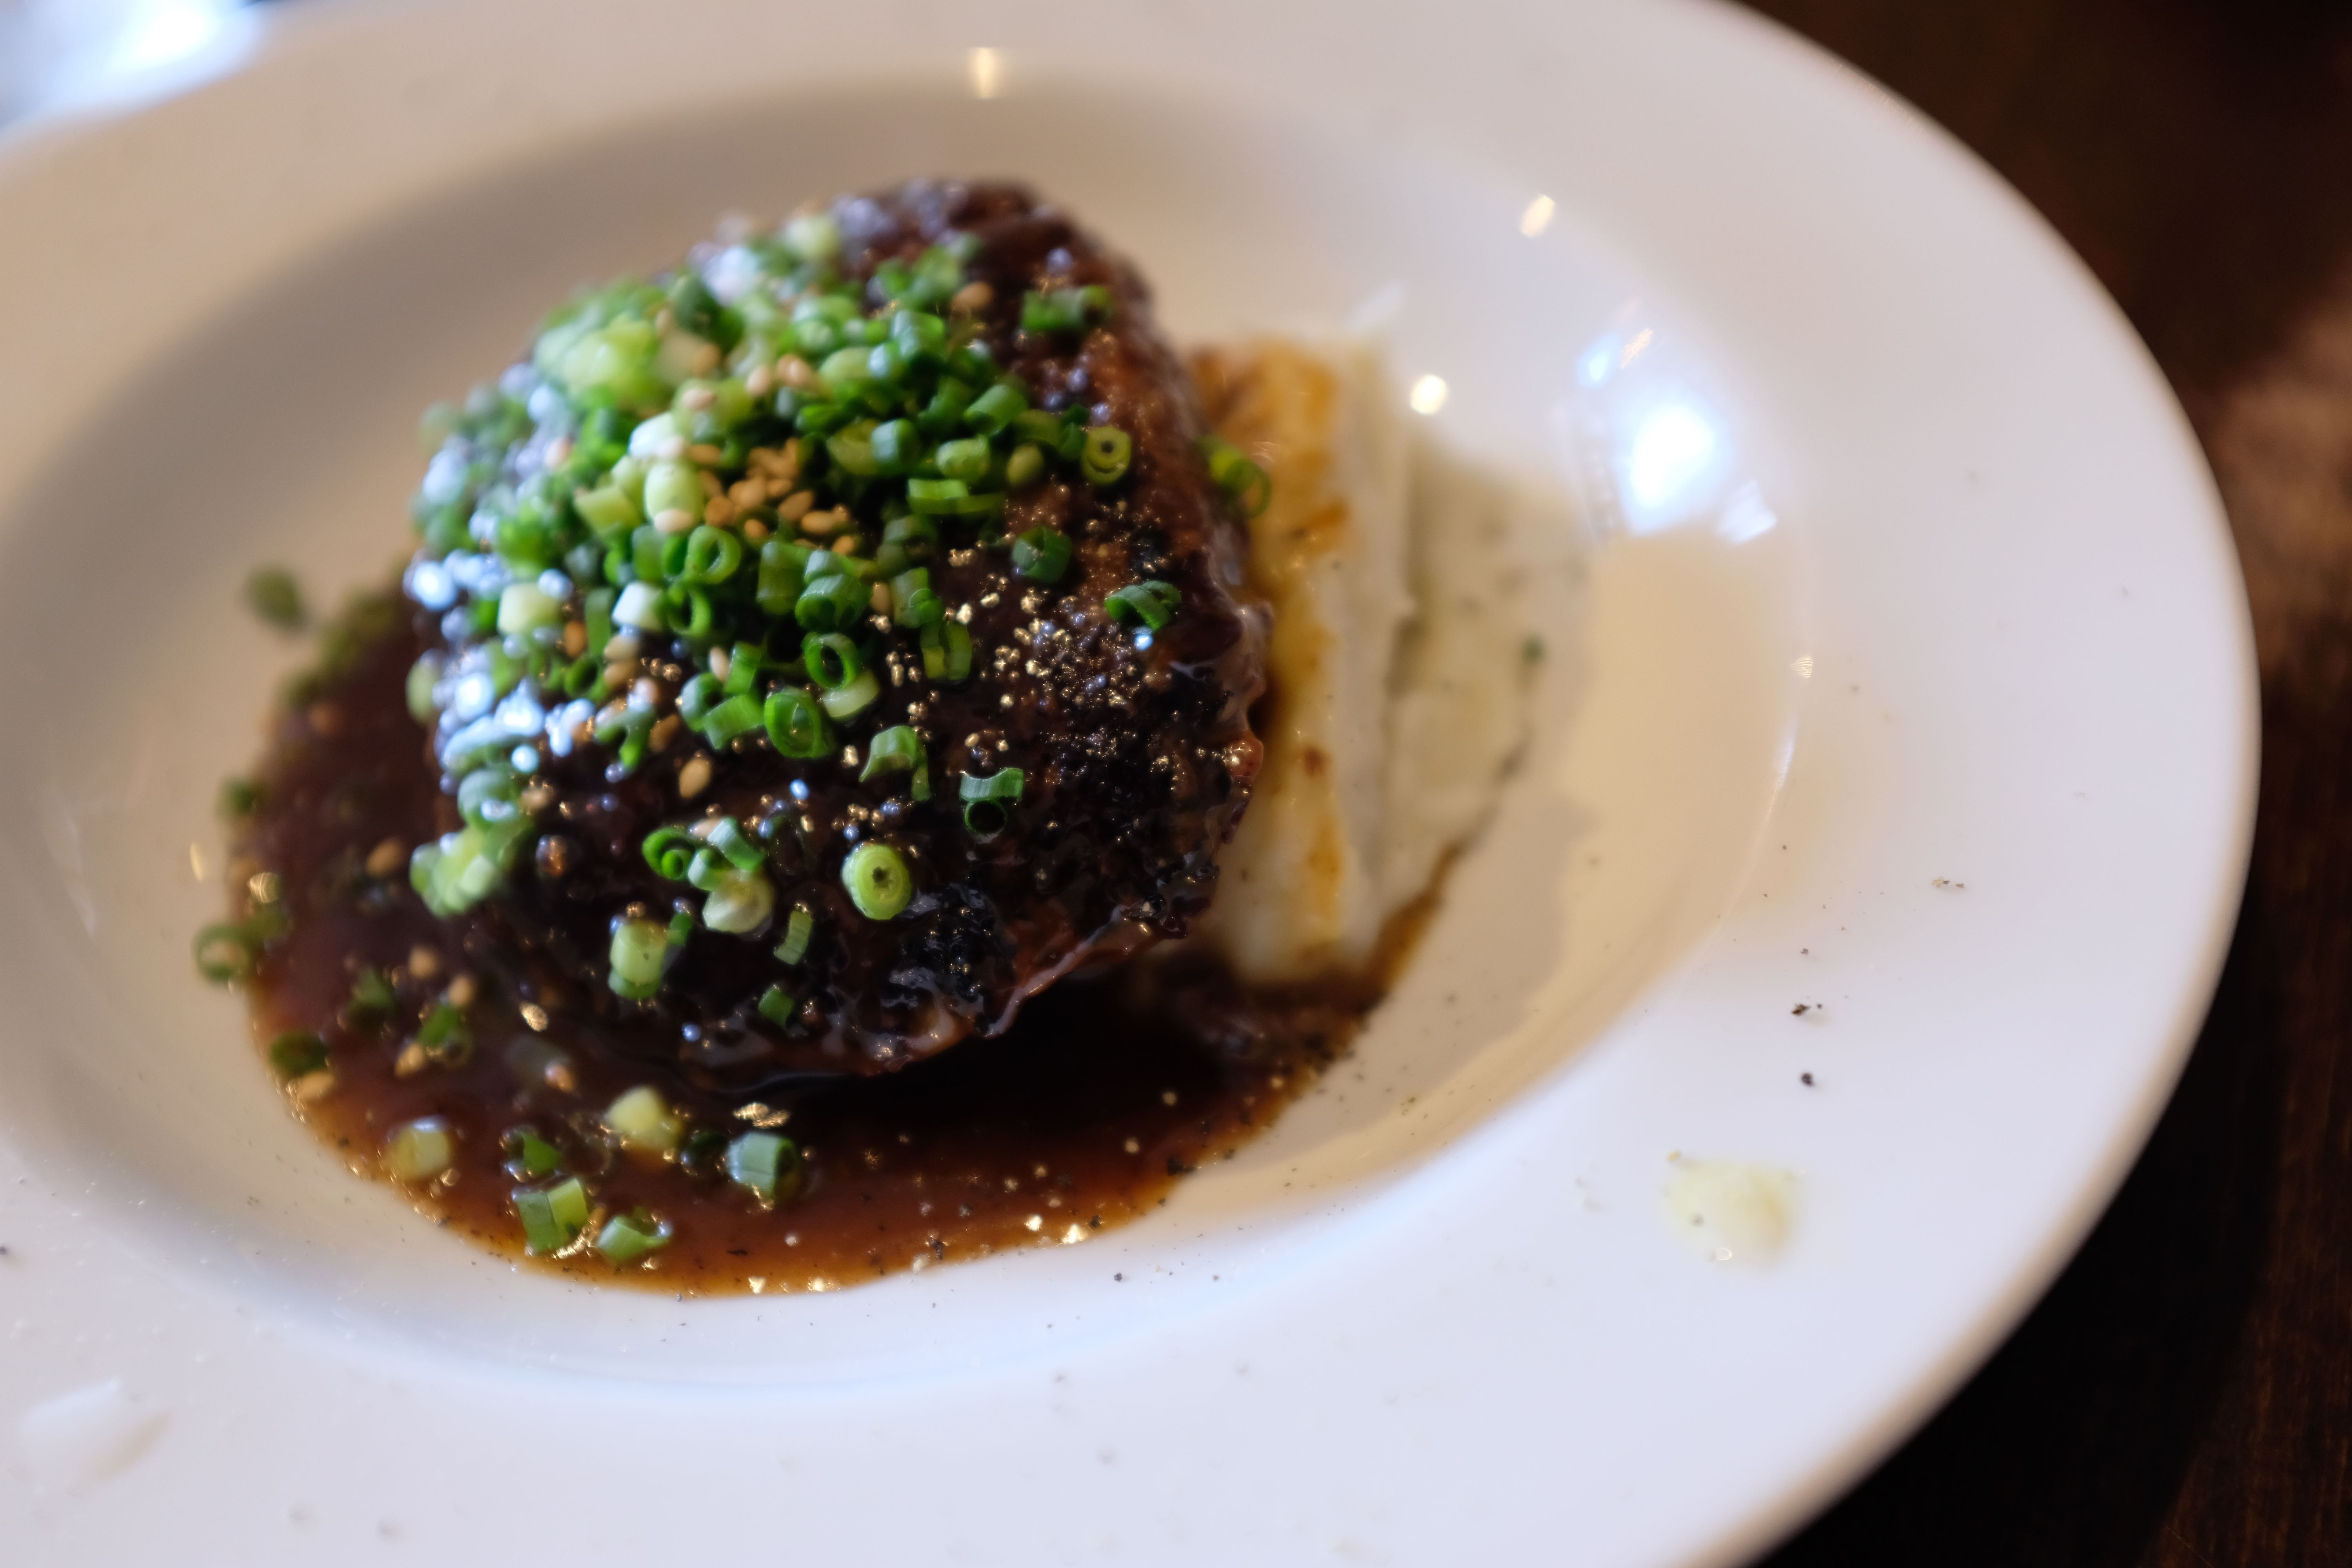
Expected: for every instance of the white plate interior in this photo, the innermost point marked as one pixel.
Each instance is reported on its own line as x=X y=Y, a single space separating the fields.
x=281 y=434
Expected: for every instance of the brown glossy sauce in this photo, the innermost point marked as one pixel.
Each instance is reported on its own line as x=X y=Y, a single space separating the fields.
x=1082 y=1115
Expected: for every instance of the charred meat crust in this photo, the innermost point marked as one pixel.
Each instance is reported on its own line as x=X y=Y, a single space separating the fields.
x=1139 y=759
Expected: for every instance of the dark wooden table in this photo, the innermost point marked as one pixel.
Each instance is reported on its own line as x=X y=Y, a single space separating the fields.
x=2184 y=1396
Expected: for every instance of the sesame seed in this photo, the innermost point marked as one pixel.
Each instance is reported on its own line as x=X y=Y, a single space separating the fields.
x=720 y=663
x=462 y=991
x=704 y=477
x=971 y=299
x=559 y=452
x=761 y=382
x=718 y=512
x=697 y=398
x=387 y=858
x=670 y=449
x=412 y=1060
x=796 y=373
x=748 y=493
x=754 y=531
x=819 y=523
x=424 y=963
x=674 y=519
x=663 y=732
x=706 y=454
x=575 y=638
x=880 y=598
x=694 y=778
x=313 y=1087
x=846 y=545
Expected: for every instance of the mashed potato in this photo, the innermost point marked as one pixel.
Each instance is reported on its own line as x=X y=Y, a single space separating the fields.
x=1395 y=663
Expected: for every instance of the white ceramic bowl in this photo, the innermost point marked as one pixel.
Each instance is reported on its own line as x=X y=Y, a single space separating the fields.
x=1905 y=677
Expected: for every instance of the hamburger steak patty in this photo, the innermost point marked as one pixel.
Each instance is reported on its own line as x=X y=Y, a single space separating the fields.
x=1133 y=745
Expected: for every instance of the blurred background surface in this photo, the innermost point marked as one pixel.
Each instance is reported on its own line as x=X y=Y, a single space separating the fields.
x=2184 y=1396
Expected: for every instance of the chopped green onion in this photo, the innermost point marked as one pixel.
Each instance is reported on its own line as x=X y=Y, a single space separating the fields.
x=912 y=603
x=1026 y=467
x=640 y=954
x=607 y=510
x=967 y=459
x=673 y=486
x=226 y=952
x=988 y=802
x=697 y=604
x=796 y=725
x=1106 y=456
x=629 y=1237
x=946 y=409
x=879 y=881
x=640 y=608
x=743 y=666
x=852 y=447
x=936 y=498
x=372 y=998
x=765 y=1164
x=797 y=932
x=918 y=537
x=528 y=1154
x=781 y=564
x=1041 y=554
x=641 y=1118
x=832 y=602
x=994 y=409
x=708 y=866
x=898 y=750
x=1040 y=427
x=239 y=798
x=525 y=607
x=296 y=1053
x=419 y=1151
x=739 y=902
x=1152 y=601
x=848 y=701
x=460 y=869
x=445 y=1035
x=552 y=1218
x=728 y=839
x=736 y=716
x=813 y=236
x=1236 y=476
x=1066 y=309
x=776 y=1005
x=275 y=596
x=423 y=676
x=669 y=850
x=831 y=661
x=712 y=554
x=896 y=442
